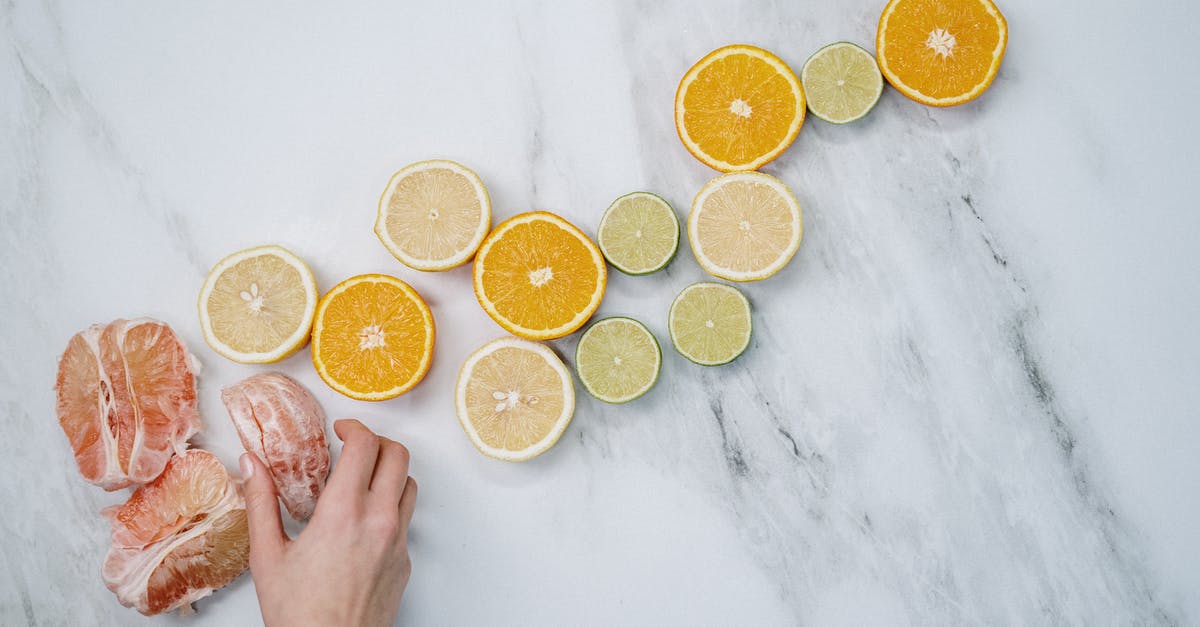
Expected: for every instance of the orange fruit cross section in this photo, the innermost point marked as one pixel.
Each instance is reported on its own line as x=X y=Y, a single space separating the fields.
x=738 y=108
x=941 y=52
x=373 y=337
x=539 y=276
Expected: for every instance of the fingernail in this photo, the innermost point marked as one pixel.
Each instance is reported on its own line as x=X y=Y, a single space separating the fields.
x=247 y=466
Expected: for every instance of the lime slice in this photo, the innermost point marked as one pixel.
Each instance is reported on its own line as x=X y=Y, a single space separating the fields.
x=639 y=233
x=618 y=360
x=842 y=82
x=710 y=323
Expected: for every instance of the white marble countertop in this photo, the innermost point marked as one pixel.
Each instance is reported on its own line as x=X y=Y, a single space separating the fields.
x=971 y=398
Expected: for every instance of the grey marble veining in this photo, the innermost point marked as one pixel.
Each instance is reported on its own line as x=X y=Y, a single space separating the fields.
x=968 y=399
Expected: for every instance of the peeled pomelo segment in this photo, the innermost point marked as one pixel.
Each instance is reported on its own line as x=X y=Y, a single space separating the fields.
x=84 y=406
x=126 y=400
x=123 y=416
x=159 y=374
x=179 y=537
x=281 y=422
x=167 y=504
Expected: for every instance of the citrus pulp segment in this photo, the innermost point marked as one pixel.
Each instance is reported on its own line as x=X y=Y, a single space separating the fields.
x=842 y=82
x=373 y=337
x=282 y=423
x=433 y=215
x=514 y=398
x=639 y=233
x=617 y=360
x=941 y=52
x=539 y=276
x=178 y=537
x=744 y=226
x=738 y=108
x=256 y=305
x=710 y=323
x=126 y=400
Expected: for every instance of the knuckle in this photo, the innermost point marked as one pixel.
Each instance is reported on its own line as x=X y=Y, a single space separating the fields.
x=384 y=525
x=402 y=452
x=362 y=441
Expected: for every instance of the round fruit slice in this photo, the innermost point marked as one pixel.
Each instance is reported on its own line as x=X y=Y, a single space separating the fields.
x=941 y=52
x=433 y=215
x=842 y=82
x=744 y=226
x=738 y=108
x=373 y=337
x=538 y=276
x=639 y=233
x=618 y=360
x=514 y=399
x=710 y=323
x=256 y=306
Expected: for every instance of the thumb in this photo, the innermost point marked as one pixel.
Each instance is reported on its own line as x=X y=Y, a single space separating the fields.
x=267 y=537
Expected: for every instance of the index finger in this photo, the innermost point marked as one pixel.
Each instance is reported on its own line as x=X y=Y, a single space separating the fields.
x=357 y=461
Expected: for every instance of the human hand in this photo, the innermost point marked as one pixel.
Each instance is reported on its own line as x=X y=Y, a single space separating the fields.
x=350 y=564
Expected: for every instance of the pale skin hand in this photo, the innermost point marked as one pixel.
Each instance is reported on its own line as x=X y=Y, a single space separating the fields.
x=350 y=564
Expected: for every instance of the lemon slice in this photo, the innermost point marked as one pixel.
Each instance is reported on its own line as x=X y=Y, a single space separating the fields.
x=744 y=226
x=639 y=233
x=514 y=399
x=842 y=82
x=257 y=305
x=617 y=360
x=433 y=215
x=710 y=323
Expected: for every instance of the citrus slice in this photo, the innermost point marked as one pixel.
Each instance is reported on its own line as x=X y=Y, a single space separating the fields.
x=744 y=226
x=710 y=323
x=941 y=52
x=639 y=233
x=433 y=215
x=373 y=337
x=842 y=82
x=538 y=276
x=256 y=306
x=514 y=399
x=738 y=108
x=617 y=360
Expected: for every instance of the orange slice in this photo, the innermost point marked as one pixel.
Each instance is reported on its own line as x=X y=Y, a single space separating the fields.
x=373 y=337
x=538 y=276
x=738 y=108
x=941 y=52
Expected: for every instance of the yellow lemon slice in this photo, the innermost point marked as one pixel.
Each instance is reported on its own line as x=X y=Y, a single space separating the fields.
x=256 y=305
x=514 y=399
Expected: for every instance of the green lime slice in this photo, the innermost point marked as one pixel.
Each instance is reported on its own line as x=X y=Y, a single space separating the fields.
x=710 y=323
x=842 y=82
x=618 y=359
x=639 y=233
